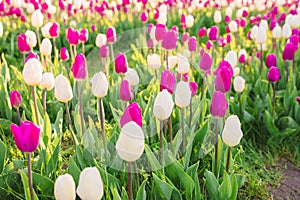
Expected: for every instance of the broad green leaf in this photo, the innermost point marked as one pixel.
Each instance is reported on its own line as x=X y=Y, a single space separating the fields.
x=240 y=179
x=47 y=130
x=212 y=185
x=269 y=122
x=234 y=187
x=25 y=183
x=5 y=124
x=59 y=121
x=115 y=194
x=155 y=165
x=3 y=152
x=52 y=164
x=45 y=184
x=141 y=194
x=164 y=188
x=225 y=188
x=192 y=171
x=74 y=170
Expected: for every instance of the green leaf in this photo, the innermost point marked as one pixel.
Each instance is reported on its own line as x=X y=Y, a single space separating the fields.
x=5 y=124
x=45 y=185
x=24 y=179
x=234 y=187
x=52 y=164
x=3 y=152
x=141 y=194
x=47 y=130
x=59 y=121
x=269 y=122
x=165 y=189
x=212 y=185
x=192 y=171
x=115 y=194
x=225 y=189
x=240 y=179
x=74 y=170
x=155 y=165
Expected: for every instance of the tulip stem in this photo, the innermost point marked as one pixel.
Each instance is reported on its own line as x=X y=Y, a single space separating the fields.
x=71 y=51
x=34 y=103
x=191 y=113
x=18 y=113
x=161 y=143
x=171 y=132
x=136 y=173
x=82 y=47
x=261 y=58
x=44 y=100
x=287 y=71
x=24 y=57
x=228 y=160
x=182 y=128
x=112 y=53
x=30 y=177
x=129 y=182
x=80 y=108
x=68 y=71
x=240 y=103
x=102 y=127
x=38 y=38
x=167 y=60
x=203 y=87
x=216 y=148
x=55 y=50
x=274 y=99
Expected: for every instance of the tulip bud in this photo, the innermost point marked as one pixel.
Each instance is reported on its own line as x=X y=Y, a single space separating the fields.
x=217 y=17
x=273 y=74
x=183 y=65
x=185 y=37
x=125 y=91
x=232 y=132
x=169 y=41
x=182 y=94
x=46 y=30
x=15 y=99
x=231 y=57
x=162 y=19
x=167 y=81
x=288 y=52
x=276 y=32
x=23 y=46
x=202 y=32
x=192 y=43
x=64 y=55
x=84 y=35
x=261 y=36
x=172 y=61
x=32 y=72
x=131 y=142
x=153 y=61
x=47 y=81
x=219 y=105
x=101 y=40
x=160 y=30
x=239 y=84
x=37 y=18
x=111 y=35
x=72 y=36
x=132 y=113
x=144 y=17
x=242 y=55
x=99 y=85
x=163 y=105
x=286 y=31
x=31 y=38
x=62 y=89
x=103 y=51
x=189 y=21
x=26 y=136
x=233 y=26
x=223 y=77
x=132 y=77
x=121 y=64
x=90 y=185
x=64 y=188
x=54 y=30
x=193 y=88
x=298 y=99
x=271 y=60
x=46 y=47
x=206 y=61
x=79 y=67
x=213 y=33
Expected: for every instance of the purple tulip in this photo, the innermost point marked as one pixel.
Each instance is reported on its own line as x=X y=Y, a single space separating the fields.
x=288 y=52
x=121 y=64
x=294 y=39
x=64 y=55
x=273 y=74
x=26 y=136
x=125 y=91
x=242 y=58
x=132 y=112
x=185 y=37
x=194 y=88
x=54 y=30
x=209 y=45
x=103 y=52
x=202 y=32
x=79 y=67
x=23 y=46
x=150 y=43
x=144 y=17
x=15 y=99
x=111 y=35
x=83 y=37
x=167 y=81
x=271 y=60
x=160 y=32
x=182 y=21
x=169 y=41
x=72 y=36
x=298 y=99
x=206 y=61
x=192 y=43
x=224 y=74
x=213 y=33
x=219 y=105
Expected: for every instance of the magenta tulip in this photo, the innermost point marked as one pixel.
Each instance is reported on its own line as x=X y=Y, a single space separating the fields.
x=26 y=136
x=213 y=33
x=202 y=32
x=194 y=88
x=167 y=81
x=242 y=58
x=125 y=91
x=64 y=55
x=132 y=113
x=150 y=43
x=288 y=52
x=15 y=99
x=23 y=46
x=111 y=35
x=219 y=104
x=103 y=53
x=185 y=37
x=79 y=67
x=227 y=19
x=209 y=45
x=169 y=41
x=223 y=77
x=83 y=37
x=54 y=30
x=271 y=60
x=294 y=39
x=121 y=64
x=144 y=17
x=72 y=36
x=206 y=61
x=192 y=43
x=183 y=21
x=160 y=31
x=273 y=74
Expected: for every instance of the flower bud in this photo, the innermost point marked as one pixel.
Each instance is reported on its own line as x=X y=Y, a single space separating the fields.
x=31 y=38
x=101 y=40
x=206 y=61
x=261 y=36
x=231 y=57
x=213 y=33
x=233 y=26
x=121 y=64
x=103 y=51
x=193 y=88
x=217 y=17
x=144 y=17
x=273 y=74
x=288 y=52
x=202 y=32
x=46 y=47
x=219 y=105
x=169 y=41
x=183 y=65
x=111 y=35
x=46 y=30
x=99 y=85
x=72 y=36
x=172 y=61
x=64 y=55
x=163 y=105
x=84 y=35
x=47 y=81
x=64 y=188
x=23 y=46
x=232 y=132
x=1 y=29
x=54 y=30
x=192 y=43
x=160 y=30
x=32 y=72
x=286 y=31
x=236 y=71
x=79 y=67
x=271 y=60
x=62 y=89
x=125 y=91
x=167 y=81
x=131 y=142
x=37 y=18
x=276 y=32
x=15 y=98
x=182 y=94
x=189 y=21
x=132 y=77
x=153 y=61
x=239 y=84
x=132 y=113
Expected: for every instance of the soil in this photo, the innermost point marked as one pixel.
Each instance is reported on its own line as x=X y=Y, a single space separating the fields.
x=289 y=187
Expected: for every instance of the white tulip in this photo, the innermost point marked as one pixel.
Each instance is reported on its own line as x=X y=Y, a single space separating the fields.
x=163 y=9
x=1 y=29
x=231 y=57
x=186 y=53
x=262 y=47
x=90 y=185
x=232 y=133
x=101 y=40
x=264 y=24
x=228 y=11
x=254 y=31
x=154 y=61
x=45 y=30
x=46 y=47
x=132 y=77
x=29 y=8
x=183 y=64
x=152 y=33
x=276 y=32
x=32 y=72
x=138 y=7
x=239 y=13
x=182 y=94
x=37 y=18
x=162 y=19
x=64 y=188
x=99 y=85
x=286 y=31
x=172 y=61
x=261 y=35
x=163 y=105
x=189 y=21
x=131 y=142
x=233 y=26
x=109 y=14
x=31 y=38
x=289 y=19
x=52 y=9
x=236 y=71
x=17 y=3
x=62 y=89
x=217 y=17
x=239 y=84
x=47 y=81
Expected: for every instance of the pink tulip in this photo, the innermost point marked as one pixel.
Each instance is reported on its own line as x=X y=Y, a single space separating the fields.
x=132 y=112
x=121 y=64
x=64 y=55
x=167 y=81
x=93 y=27
x=294 y=39
x=228 y=38
x=79 y=67
x=288 y=52
x=222 y=42
x=23 y=46
x=243 y=22
x=295 y=31
x=206 y=61
x=54 y=30
x=185 y=37
x=83 y=37
x=273 y=74
x=144 y=17
x=227 y=19
x=202 y=32
x=150 y=43
x=224 y=74
x=192 y=43
x=125 y=91
x=213 y=33
x=72 y=36
x=242 y=58
x=194 y=88
x=271 y=60
x=169 y=41
x=219 y=104
x=272 y=24
x=245 y=13
x=184 y=77
x=111 y=35
x=15 y=99
x=209 y=45
x=103 y=53
x=160 y=32
x=182 y=21
x=175 y=28
x=26 y=136
x=32 y=55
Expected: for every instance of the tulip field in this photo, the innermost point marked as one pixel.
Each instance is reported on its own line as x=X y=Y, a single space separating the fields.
x=149 y=99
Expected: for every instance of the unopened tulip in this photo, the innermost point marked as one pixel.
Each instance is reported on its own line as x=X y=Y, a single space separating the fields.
x=170 y=40
x=64 y=188
x=132 y=77
x=47 y=81
x=154 y=61
x=54 y=30
x=217 y=17
x=206 y=61
x=103 y=51
x=231 y=57
x=125 y=91
x=26 y=136
x=236 y=71
x=31 y=55
x=223 y=77
x=273 y=74
x=298 y=99
x=172 y=61
x=182 y=94
x=101 y=40
x=121 y=64
x=183 y=65
x=286 y=31
x=37 y=18
x=261 y=35
x=193 y=88
x=189 y=21
x=288 y=52
x=131 y=142
x=23 y=46
x=72 y=36
x=79 y=67
x=46 y=30
x=239 y=84
x=271 y=60
x=163 y=105
x=276 y=32
x=233 y=26
x=185 y=37
x=213 y=33
x=160 y=30
x=242 y=55
x=46 y=47
x=192 y=43
x=219 y=104
x=132 y=113
x=32 y=72
x=84 y=35
x=168 y=81
x=31 y=38
x=90 y=185
x=111 y=35
x=62 y=89
x=144 y=17
x=15 y=99
x=202 y=32
x=232 y=132
x=99 y=85
x=64 y=55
